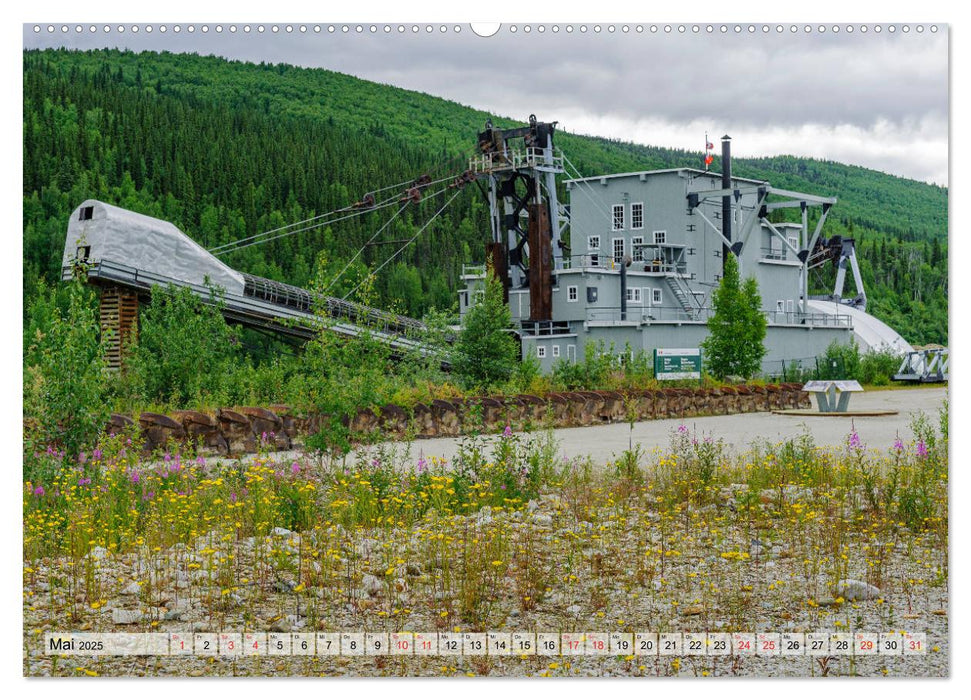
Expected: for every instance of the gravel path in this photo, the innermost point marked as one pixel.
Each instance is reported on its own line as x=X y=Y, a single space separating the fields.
x=605 y=442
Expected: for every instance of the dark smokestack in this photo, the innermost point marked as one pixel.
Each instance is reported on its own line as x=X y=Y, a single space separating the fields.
x=727 y=199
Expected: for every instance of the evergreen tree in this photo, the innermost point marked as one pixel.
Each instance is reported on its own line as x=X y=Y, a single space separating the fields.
x=736 y=327
x=486 y=352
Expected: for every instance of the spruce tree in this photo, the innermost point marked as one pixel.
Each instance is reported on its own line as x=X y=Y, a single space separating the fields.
x=736 y=327
x=486 y=352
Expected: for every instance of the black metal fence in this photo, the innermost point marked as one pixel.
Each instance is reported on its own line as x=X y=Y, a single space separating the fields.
x=805 y=368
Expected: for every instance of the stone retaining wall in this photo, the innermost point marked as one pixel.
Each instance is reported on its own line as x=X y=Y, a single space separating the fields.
x=241 y=429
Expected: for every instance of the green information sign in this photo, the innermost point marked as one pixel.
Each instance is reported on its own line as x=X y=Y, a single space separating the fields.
x=677 y=363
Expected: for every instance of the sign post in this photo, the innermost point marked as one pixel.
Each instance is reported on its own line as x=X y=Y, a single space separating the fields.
x=677 y=363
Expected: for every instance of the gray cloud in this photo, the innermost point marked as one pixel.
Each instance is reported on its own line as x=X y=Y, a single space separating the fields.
x=878 y=100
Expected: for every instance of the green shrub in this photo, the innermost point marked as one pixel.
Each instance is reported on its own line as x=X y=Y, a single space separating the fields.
x=877 y=367
x=185 y=355
x=65 y=381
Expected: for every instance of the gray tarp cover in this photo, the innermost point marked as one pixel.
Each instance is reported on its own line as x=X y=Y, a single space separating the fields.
x=151 y=245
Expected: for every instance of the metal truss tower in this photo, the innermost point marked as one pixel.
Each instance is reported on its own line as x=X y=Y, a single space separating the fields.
x=527 y=221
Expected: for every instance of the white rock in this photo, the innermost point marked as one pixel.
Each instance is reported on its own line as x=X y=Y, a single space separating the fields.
x=543 y=519
x=281 y=532
x=132 y=589
x=573 y=610
x=126 y=617
x=853 y=590
x=372 y=584
x=281 y=626
x=532 y=505
x=98 y=553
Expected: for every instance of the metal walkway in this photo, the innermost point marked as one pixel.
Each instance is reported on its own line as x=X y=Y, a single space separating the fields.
x=280 y=308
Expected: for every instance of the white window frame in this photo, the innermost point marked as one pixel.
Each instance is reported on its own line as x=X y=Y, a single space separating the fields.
x=636 y=252
x=634 y=295
x=556 y=351
x=571 y=353
x=656 y=298
x=793 y=241
x=613 y=250
x=572 y=293
x=633 y=222
x=780 y=305
x=593 y=251
x=541 y=351
x=614 y=210
x=790 y=305
x=663 y=237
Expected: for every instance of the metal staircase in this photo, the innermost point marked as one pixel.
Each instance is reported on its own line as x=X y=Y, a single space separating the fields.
x=682 y=293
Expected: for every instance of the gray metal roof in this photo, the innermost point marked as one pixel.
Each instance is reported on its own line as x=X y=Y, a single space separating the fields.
x=693 y=171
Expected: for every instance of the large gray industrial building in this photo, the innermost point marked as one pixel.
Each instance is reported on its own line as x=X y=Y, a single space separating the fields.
x=646 y=251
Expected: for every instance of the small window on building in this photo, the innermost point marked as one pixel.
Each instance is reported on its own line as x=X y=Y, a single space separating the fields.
x=656 y=297
x=660 y=237
x=794 y=242
x=618 y=248
x=556 y=351
x=593 y=246
x=571 y=293
x=637 y=215
x=634 y=295
x=790 y=305
x=618 y=217
x=591 y=295
x=540 y=351
x=637 y=251
x=571 y=353
x=780 y=305
x=84 y=252
x=87 y=213
x=593 y=242
x=478 y=295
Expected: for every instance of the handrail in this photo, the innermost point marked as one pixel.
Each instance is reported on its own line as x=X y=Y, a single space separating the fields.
x=391 y=324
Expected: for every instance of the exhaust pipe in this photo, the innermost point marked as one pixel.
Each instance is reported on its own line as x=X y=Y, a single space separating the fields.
x=727 y=199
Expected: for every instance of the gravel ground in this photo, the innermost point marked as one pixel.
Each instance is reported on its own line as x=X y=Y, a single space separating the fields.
x=582 y=577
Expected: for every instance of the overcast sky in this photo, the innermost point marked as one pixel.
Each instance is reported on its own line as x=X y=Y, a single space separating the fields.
x=879 y=100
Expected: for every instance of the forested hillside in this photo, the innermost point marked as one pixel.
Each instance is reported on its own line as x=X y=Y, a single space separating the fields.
x=226 y=149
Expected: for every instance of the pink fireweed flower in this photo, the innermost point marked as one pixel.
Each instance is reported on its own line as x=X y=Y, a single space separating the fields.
x=96 y=454
x=921 y=449
x=507 y=432
x=39 y=491
x=898 y=445
x=84 y=481
x=295 y=468
x=82 y=458
x=682 y=428
x=135 y=477
x=422 y=464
